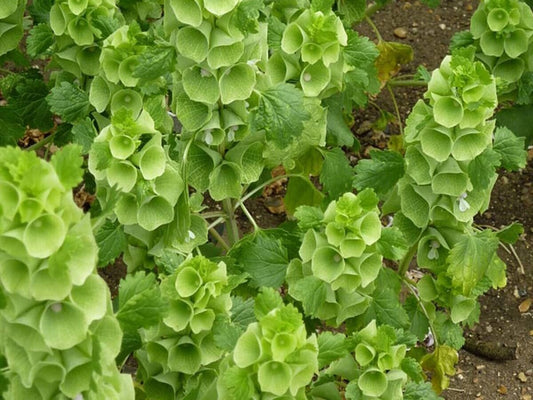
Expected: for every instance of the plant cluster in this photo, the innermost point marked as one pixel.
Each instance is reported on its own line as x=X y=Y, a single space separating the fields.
x=182 y=346
x=339 y=260
x=59 y=335
x=272 y=359
x=176 y=101
x=375 y=365
x=450 y=171
x=504 y=30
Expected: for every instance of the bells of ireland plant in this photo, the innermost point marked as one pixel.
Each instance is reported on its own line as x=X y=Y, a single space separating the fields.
x=374 y=367
x=179 y=356
x=339 y=259
x=78 y=25
x=59 y=335
x=11 y=16
x=315 y=41
x=503 y=31
x=128 y=158
x=446 y=143
x=273 y=359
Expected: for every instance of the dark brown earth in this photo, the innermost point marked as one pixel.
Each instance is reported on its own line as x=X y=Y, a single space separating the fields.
x=429 y=32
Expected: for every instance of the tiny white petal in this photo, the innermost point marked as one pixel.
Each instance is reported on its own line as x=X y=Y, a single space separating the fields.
x=208 y=137
x=231 y=135
x=56 y=307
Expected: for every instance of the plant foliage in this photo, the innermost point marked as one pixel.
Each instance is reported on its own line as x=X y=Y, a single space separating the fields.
x=173 y=105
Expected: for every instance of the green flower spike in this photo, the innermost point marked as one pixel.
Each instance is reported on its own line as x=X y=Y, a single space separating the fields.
x=59 y=335
x=339 y=257
x=275 y=353
x=181 y=350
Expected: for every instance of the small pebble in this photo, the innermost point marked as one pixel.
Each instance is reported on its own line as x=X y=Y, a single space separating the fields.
x=442 y=26
x=502 y=390
x=489 y=328
x=525 y=305
x=529 y=372
x=522 y=377
x=400 y=33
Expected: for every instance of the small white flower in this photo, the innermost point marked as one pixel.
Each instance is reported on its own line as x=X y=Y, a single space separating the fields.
x=463 y=204
x=208 y=137
x=56 y=307
x=433 y=253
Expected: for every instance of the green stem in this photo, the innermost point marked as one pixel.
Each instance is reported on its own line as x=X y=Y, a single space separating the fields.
x=406 y=82
x=373 y=9
x=218 y=221
x=219 y=238
x=396 y=109
x=260 y=187
x=38 y=145
x=421 y=304
x=249 y=216
x=406 y=260
x=374 y=28
x=231 y=221
x=212 y=214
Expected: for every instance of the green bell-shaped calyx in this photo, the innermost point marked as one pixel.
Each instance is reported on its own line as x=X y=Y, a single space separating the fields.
x=12 y=30
x=193 y=42
x=237 y=83
x=373 y=382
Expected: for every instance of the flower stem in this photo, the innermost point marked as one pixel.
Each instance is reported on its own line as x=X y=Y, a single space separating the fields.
x=260 y=187
x=413 y=290
x=406 y=82
x=219 y=238
x=38 y=145
x=406 y=260
x=249 y=216
x=396 y=109
x=374 y=28
x=231 y=221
